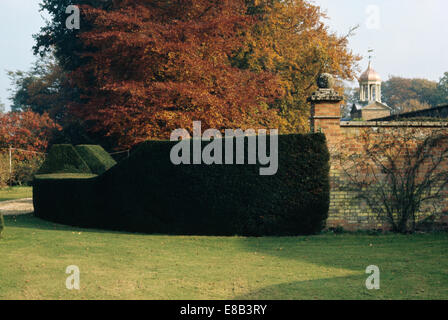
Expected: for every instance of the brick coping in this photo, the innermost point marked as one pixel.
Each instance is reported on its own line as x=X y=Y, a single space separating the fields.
x=425 y=124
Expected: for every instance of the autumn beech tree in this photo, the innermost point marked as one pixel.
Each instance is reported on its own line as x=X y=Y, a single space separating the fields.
x=153 y=66
x=143 y=68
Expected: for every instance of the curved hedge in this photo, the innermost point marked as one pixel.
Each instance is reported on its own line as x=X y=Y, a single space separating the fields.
x=147 y=193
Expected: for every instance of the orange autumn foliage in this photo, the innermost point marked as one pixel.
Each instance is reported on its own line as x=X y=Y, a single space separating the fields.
x=26 y=130
x=291 y=40
x=146 y=67
x=157 y=66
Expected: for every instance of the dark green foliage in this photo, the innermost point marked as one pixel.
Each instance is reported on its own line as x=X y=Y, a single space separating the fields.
x=147 y=193
x=337 y=230
x=67 y=200
x=2 y=224
x=63 y=158
x=98 y=160
x=65 y=43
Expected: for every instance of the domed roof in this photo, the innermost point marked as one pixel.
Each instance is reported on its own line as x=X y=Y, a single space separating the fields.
x=370 y=75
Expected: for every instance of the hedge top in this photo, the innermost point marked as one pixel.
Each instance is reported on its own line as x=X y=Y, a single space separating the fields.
x=82 y=159
x=63 y=158
x=98 y=160
x=62 y=176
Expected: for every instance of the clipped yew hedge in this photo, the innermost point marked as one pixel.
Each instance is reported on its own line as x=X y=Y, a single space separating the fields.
x=63 y=158
x=147 y=193
x=2 y=224
x=98 y=160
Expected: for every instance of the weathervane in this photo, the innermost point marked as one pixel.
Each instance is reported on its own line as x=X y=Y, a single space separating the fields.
x=370 y=51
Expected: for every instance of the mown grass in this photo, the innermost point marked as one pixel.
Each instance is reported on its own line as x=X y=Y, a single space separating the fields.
x=34 y=255
x=13 y=193
x=57 y=176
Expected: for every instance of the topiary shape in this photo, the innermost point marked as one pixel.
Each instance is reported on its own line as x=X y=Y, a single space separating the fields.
x=63 y=158
x=98 y=160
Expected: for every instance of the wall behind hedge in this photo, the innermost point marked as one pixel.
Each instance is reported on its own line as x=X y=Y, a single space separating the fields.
x=147 y=193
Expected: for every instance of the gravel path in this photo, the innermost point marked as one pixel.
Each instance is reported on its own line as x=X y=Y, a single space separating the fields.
x=16 y=207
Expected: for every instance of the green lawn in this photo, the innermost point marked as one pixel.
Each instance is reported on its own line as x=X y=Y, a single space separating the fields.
x=34 y=255
x=12 y=193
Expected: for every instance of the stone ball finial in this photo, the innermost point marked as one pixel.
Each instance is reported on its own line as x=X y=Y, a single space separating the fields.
x=325 y=81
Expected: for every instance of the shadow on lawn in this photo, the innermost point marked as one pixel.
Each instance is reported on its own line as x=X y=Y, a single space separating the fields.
x=393 y=254
x=352 y=252
x=403 y=261
x=349 y=287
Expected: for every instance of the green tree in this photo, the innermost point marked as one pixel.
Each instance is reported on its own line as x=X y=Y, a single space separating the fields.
x=65 y=43
x=351 y=96
x=44 y=88
x=398 y=91
x=442 y=89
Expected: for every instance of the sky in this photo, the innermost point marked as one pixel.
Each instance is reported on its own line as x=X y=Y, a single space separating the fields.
x=409 y=36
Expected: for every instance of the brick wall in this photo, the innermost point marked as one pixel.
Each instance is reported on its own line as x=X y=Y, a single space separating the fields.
x=374 y=114
x=345 y=209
